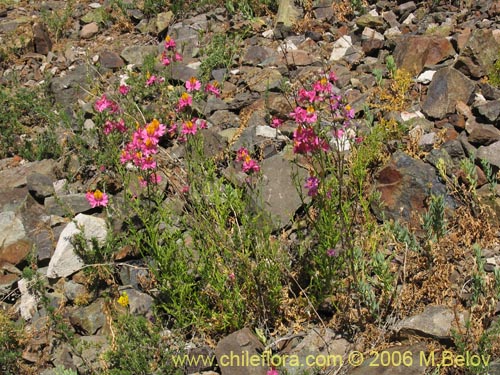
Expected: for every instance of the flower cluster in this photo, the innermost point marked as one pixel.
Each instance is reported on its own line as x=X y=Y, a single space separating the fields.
x=170 y=54
x=249 y=165
x=143 y=146
x=103 y=103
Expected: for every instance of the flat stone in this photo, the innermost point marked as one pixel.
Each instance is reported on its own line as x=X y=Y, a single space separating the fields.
x=340 y=48
x=447 y=88
x=74 y=85
x=110 y=60
x=413 y=53
x=140 y=303
x=17 y=176
x=16 y=252
x=262 y=80
x=490 y=153
x=163 y=20
x=90 y=318
x=69 y=204
x=405 y=184
x=367 y=20
x=255 y=55
x=65 y=261
x=11 y=229
x=435 y=321
x=279 y=193
x=89 y=30
x=136 y=54
x=479 y=54
x=40 y=185
x=481 y=134
x=239 y=345
x=490 y=110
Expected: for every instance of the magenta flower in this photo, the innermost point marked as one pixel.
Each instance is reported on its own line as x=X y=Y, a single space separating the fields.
x=272 y=371
x=213 y=89
x=193 y=84
x=97 y=198
x=189 y=127
x=250 y=165
x=299 y=115
x=184 y=101
x=102 y=104
x=169 y=42
x=331 y=252
x=155 y=178
x=165 y=61
x=151 y=79
x=312 y=184
x=242 y=154
x=177 y=57
x=124 y=89
x=276 y=122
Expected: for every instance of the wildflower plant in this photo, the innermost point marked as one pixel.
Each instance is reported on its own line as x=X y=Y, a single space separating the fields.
x=328 y=141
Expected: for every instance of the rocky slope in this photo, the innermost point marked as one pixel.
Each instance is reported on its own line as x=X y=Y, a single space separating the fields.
x=451 y=112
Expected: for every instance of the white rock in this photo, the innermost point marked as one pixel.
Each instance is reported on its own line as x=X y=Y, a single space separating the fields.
x=65 y=261
x=11 y=228
x=95 y=5
x=426 y=77
x=392 y=32
x=406 y=116
x=269 y=34
x=369 y=34
x=266 y=131
x=28 y=302
x=373 y=12
x=287 y=46
x=409 y=19
x=340 y=48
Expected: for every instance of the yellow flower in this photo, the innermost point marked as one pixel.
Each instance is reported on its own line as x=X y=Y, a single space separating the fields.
x=123 y=300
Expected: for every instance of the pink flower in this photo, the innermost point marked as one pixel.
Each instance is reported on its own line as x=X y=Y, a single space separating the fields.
x=189 y=127
x=276 y=122
x=185 y=189
x=323 y=86
x=147 y=163
x=231 y=276
x=142 y=182
x=312 y=184
x=185 y=101
x=307 y=96
x=169 y=42
x=97 y=198
x=299 y=115
x=332 y=77
x=250 y=165
x=165 y=61
x=151 y=79
x=155 y=178
x=177 y=57
x=242 y=154
x=124 y=89
x=193 y=84
x=272 y=371
x=331 y=252
x=202 y=124
x=213 y=89
x=102 y=104
x=154 y=129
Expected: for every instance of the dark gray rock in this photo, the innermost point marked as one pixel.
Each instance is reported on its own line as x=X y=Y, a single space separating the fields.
x=89 y=319
x=447 y=88
x=40 y=186
x=490 y=110
x=41 y=39
x=135 y=54
x=69 y=204
x=74 y=85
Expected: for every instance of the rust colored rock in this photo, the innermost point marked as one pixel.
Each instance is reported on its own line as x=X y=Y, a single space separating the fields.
x=414 y=53
x=111 y=60
x=15 y=253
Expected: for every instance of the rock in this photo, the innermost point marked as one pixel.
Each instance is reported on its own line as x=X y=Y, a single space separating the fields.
x=135 y=54
x=490 y=153
x=479 y=54
x=7 y=282
x=163 y=20
x=28 y=301
x=490 y=110
x=110 y=60
x=448 y=87
x=318 y=343
x=255 y=55
x=90 y=348
x=288 y=14
x=279 y=194
x=224 y=119
x=374 y=365
x=73 y=290
x=482 y=135
x=261 y=80
x=65 y=261
x=74 y=85
x=414 y=53
x=340 y=48
x=426 y=77
x=367 y=20
x=232 y=350
x=405 y=184
x=17 y=176
x=11 y=229
x=89 y=319
x=69 y=204
x=140 y=303
x=41 y=39
x=40 y=186
x=435 y=321
x=89 y=30
x=16 y=252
